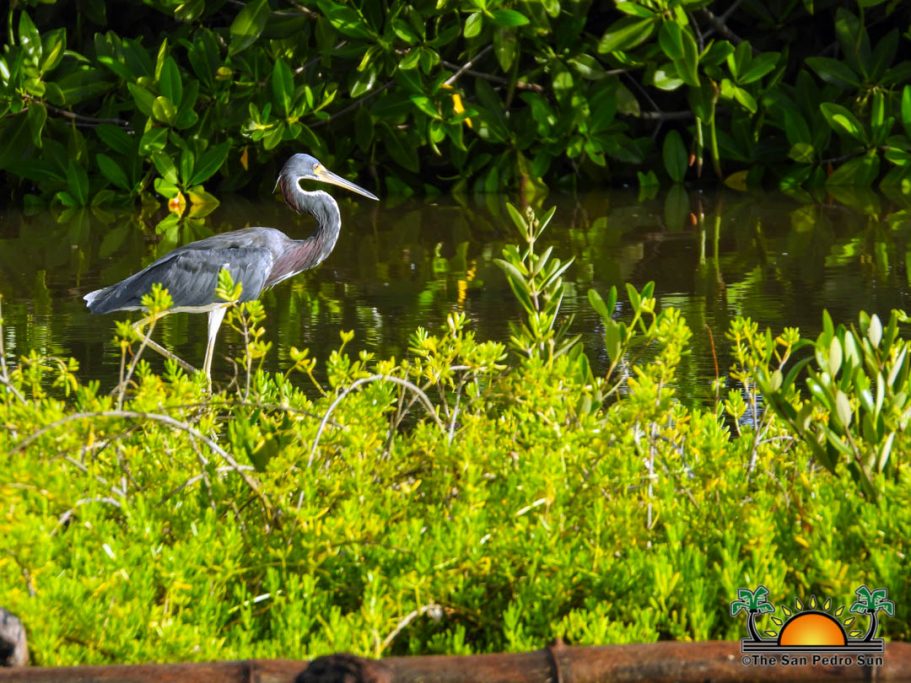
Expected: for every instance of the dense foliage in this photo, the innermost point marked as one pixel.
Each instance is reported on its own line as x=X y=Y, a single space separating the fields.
x=468 y=497
x=175 y=97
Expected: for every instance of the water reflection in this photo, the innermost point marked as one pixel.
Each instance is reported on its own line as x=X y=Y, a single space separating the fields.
x=402 y=264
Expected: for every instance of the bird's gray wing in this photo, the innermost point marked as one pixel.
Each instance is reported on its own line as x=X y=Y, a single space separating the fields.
x=190 y=276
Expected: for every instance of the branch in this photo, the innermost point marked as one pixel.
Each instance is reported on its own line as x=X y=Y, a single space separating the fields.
x=493 y=78
x=425 y=401
x=434 y=610
x=154 y=417
x=354 y=105
x=666 y=115
x=78 y=119
x=467 y=65
x=719 y=24
x=65 y=517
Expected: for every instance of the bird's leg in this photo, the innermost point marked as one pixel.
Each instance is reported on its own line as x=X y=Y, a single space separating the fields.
x=139 y=326
x=216 y=315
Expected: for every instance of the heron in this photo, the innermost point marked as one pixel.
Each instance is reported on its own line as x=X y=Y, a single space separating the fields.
x=257 y=258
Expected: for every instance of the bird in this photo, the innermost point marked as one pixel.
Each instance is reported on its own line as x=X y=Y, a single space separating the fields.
x=257 y=258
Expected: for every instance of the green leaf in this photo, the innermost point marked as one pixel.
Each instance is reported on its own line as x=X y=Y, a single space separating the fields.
x=77 y=181
x=897 y=156
x=115 y=138
x=37 y=117
x=282 y=87
x=597 y=303
x=759 y=67
x=186 y=166
x=473 y=25
x=802 y=153
x=112 y=171
x=675 y=156
x=796 y=128
x=625 y=34
x=508 y=18
x=153 y=140
x=906 y=109
x=833 y=71
x=345 y=20
x=165 y=167
x=204 y=56
x=363 y=82
x=855 y=43
x=404 y=32
x=29 y=38
x=670 y=38
x=143 y=98
x=425 y=104
x=248 y=25
x=189 y=11
x=666 y=78
x=209 y=163
x=860 y=172
x=164 y=110
x=731 y=91
x=170 y=83
x=739 y=59
x=54 y=45
x=841 y=120
x=680 y=46
x=843 y=409
x=505 y=46
x=634 y=8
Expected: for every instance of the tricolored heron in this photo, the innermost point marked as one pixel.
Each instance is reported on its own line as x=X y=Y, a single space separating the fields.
x=257 y=258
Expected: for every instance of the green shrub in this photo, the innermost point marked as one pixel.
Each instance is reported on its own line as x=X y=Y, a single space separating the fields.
x=181 y=97
x=456 y=500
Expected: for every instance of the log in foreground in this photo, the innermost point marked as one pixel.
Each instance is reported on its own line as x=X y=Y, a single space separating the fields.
x=666 y=661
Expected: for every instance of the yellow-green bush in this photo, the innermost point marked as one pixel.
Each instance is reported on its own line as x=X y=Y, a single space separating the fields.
x=456 y=500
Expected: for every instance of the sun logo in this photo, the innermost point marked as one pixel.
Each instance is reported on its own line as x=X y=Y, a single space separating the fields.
x=812 y=632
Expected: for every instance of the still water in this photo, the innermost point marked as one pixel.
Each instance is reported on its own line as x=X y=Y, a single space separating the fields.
x=400 y=264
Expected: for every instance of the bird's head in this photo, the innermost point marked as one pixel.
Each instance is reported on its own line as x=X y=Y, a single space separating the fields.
x=305 y=167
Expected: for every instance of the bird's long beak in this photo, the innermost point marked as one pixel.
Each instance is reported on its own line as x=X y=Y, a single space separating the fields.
x=325 y=175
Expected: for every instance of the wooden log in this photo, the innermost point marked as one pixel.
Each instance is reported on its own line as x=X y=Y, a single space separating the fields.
x=659 y=662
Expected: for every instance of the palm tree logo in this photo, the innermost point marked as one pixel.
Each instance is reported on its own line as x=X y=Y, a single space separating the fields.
x=754 y=602
x=816 y=626
x=870 y=602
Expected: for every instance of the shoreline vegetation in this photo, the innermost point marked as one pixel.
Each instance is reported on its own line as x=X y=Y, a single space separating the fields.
x=471 y=496
x=182 y=101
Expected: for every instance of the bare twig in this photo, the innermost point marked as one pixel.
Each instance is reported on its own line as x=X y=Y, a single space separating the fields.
x=719 y=23
x=467 y=65
x=493 y=78
x=65 y=517
x=192 y=480
x=425 y=401
x=154 y=417
x=434 y=610
x=351 y=107
x=666 y=115
x=146 y=338
x=78 y=119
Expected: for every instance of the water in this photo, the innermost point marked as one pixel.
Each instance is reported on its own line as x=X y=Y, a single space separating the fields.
x=400 y=264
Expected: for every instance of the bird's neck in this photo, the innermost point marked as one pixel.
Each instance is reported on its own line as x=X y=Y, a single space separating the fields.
x=317 y=247
x=300 y=255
